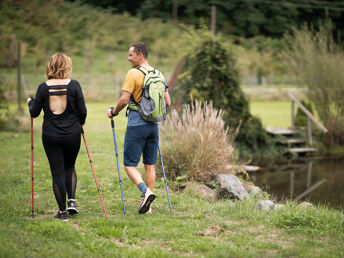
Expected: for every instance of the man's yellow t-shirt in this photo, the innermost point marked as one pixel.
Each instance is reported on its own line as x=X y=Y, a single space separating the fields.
x=133 y=83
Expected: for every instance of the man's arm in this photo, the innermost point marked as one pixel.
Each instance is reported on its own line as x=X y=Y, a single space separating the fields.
x=123 y=101
x=167 y=100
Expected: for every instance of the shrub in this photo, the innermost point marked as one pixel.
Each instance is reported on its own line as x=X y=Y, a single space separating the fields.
x=3 y=105
x=301 y=118
x=8 y=121
x=318 y=62
x=210 y=73
x=195 y=144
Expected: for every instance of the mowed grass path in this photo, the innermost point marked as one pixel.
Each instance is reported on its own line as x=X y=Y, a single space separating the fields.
x=195 y=228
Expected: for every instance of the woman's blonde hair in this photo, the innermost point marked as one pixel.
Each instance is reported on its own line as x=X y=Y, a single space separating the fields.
x=59 y=66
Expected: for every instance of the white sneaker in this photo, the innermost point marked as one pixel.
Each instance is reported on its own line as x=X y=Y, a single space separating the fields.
x=146 y=201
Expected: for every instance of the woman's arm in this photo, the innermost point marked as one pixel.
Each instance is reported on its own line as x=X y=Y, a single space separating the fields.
x=36 y=105
x=81 y=106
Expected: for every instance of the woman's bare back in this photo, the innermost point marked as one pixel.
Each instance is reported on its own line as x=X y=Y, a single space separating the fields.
x=58 y=103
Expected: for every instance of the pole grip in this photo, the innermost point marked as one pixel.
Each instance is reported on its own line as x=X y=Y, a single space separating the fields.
x=112 y=123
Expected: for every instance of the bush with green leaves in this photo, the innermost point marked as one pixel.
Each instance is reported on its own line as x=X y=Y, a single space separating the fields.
x=210 y=73
x=8 y=120
x=3 y=106
x=318 y=62
x=195 y=143
x=301 y=118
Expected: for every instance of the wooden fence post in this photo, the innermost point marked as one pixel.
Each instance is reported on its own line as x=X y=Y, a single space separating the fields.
x=19 y=78
x=309 y=131
x=292 y=114
x=213 y=19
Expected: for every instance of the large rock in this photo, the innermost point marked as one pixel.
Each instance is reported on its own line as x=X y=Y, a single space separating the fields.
x=306 y=205
x=265 y=205
x=201 y=190
x=205 y=192
x=253 y=190
x=231 y=187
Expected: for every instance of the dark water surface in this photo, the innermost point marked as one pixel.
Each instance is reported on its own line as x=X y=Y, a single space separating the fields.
x=318 y=180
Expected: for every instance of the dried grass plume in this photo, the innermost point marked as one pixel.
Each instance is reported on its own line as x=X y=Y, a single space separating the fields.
x=196 y=143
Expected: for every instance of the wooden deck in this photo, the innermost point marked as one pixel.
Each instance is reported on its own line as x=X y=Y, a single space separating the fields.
x=280 y=131
x=302 y=150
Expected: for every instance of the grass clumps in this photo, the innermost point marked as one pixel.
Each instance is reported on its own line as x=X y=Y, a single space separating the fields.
x=196 y=143
x=311 y=220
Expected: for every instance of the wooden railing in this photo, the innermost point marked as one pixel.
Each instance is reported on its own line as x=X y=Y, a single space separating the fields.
x=310 y=117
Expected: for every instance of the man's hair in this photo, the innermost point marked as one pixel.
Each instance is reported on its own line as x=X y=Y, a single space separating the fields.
x=59 y=66
x=140 y=47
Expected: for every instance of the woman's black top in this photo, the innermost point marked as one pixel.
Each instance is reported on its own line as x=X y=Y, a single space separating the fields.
x=70 y=121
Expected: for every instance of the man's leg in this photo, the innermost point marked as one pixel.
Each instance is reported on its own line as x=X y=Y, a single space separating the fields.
x=133 y=146
x=134 y=175
x=147 y=195
x=150 y=176
x=150 y=157
x=134 y=143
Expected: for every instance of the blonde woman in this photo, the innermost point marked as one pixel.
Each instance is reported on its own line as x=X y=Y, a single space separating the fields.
x=65 y=112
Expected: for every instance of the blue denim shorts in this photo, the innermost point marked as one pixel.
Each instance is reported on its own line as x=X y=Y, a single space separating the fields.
x=141 y=140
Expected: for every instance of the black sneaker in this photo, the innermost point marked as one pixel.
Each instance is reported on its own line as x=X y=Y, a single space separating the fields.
x=146 y=201
x=61 y=215
x=71 y=207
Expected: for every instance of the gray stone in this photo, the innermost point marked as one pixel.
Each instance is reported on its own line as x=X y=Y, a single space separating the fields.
x=205 y=192
x=201 y=190
x=278 y=206
x=265 y=205
x=253 y=190
x=231 y=204
x=306 y=205
x=248 y=186
x=230 y=186
x=256 y=191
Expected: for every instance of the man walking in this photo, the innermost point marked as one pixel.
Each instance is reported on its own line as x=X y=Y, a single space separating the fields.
x=142 y=137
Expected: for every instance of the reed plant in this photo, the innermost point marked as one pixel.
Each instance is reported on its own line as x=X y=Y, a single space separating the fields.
x=318 y=62
x=196 y=144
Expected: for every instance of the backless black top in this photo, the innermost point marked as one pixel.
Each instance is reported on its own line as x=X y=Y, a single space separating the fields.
x=69 y=122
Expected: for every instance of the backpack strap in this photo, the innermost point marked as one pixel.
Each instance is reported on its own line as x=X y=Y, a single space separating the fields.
x=142 y=69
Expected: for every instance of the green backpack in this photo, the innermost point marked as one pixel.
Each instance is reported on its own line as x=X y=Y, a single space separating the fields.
x=152 y=105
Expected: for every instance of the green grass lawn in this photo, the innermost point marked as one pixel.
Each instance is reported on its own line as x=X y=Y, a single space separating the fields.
x=195 y=228
x=272 y=113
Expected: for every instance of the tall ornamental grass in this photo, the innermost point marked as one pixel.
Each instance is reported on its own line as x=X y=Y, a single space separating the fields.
x=195 y=143
x=318 y=62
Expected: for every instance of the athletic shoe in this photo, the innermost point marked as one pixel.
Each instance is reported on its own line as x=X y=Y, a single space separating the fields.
x=150 y=210
x=72 y=207
x=62 y=216
x=146 y=201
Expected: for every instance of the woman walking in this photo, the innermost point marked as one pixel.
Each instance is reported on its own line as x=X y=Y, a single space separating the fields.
x=65 y=112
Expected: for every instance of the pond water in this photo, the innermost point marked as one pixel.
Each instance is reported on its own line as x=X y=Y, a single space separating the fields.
x=318 y=180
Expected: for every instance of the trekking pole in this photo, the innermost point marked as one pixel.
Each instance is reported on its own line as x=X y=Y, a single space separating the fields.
x=95 y=177
x=163 y=171
x=119 y=173
x=32 y=179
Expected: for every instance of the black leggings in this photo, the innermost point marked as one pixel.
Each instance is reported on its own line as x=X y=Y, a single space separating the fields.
x=62 y=154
